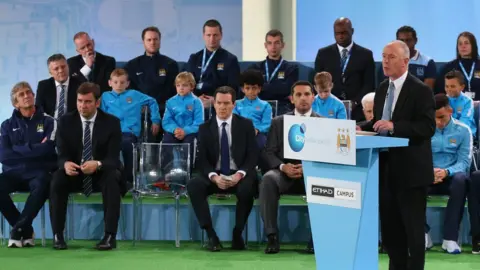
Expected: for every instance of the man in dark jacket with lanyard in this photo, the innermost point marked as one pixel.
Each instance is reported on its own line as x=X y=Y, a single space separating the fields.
x=28 y=156
x=213 y=66
x=279 y=74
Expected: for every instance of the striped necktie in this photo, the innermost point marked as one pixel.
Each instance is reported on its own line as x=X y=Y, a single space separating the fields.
x=61 y=102
x=86 y=156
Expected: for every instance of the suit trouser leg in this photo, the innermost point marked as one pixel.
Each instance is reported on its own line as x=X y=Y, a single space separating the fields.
x=474 y=203
x=39 y=188
x=108 y=182
x=60 y=187
x=245 y=191
x=274 y=183
x=9 y=184
x=198 y=190
x=455 y=206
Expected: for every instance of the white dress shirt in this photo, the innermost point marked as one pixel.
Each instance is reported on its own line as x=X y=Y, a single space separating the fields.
x=228 y=128
x=84 y=124
x=340 y=48
x=398 y=87
x=85 y=70
x=58 y=86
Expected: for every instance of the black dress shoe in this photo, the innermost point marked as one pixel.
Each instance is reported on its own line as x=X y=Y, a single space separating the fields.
x=273 y=246
x=108 y=242
x=237 y=242
x=310 y=249
x=214 y=244
x=476 y=245
x=59 y=242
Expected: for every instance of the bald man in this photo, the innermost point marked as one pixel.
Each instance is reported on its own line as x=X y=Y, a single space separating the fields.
x=352 y=67
x=404 y=108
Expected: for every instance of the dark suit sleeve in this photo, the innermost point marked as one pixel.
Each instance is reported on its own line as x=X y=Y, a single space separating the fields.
x=204 y=140
x=272 y=147
x=39 y=97
x=114 y=142
x=129 y=67
x=423 y=124
x=368 y=78
x=173 y=72
x=62 y=146
x=234 y=74
x=109 y=67
x=318 y=62
x=251 y=159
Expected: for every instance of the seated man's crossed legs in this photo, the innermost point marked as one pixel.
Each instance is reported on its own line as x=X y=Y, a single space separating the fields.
x=201 y=187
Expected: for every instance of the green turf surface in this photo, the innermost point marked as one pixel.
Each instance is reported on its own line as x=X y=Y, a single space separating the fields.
x=163 y=255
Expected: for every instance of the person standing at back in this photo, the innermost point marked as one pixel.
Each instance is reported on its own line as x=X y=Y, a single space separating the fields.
x=351 y=66
x=213 y=66
x=403 y=108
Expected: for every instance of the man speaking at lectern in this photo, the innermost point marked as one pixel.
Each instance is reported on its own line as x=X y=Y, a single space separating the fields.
x=404 y=108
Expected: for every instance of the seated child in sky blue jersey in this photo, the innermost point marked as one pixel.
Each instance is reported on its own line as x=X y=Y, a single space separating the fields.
x=127 y=105
x=252 y=107
x=325 y=103
x=184 y=114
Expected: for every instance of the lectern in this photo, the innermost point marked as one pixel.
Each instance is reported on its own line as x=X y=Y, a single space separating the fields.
x=342 y=194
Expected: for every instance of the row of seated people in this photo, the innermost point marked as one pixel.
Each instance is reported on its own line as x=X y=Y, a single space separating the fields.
x=88 y=160
x=352 y=66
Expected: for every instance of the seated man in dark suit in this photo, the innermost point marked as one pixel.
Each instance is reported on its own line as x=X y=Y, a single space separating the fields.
x=227 y=159
x=213 y=66
x=90 y=65
x=352 y=67
x=282 y=175
x=88 y=142
x=279 y=74
x=58 y=95
x=28 y=156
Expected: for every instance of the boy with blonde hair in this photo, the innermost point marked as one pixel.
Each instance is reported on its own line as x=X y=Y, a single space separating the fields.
x=127 y=105
x=325 y=103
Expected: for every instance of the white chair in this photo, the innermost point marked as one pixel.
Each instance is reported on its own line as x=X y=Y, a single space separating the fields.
x=274 y=104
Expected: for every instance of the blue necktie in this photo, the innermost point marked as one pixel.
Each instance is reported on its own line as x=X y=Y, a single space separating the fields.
x=387 y=108
x=61 y=102
x=86 y=156
x=344 y=58
x=224 y=152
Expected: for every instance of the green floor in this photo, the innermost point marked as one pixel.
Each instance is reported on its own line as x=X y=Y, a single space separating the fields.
x=163 y=255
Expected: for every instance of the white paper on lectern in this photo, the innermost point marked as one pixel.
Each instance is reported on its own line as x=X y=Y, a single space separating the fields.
x=320 y=139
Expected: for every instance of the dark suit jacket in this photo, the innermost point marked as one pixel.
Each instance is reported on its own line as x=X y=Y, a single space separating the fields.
x=104 y=65
x=244 y=148
x=359 y=74
x=106 y=141
x=413 y=118
x=46 y=97
x=272 y=155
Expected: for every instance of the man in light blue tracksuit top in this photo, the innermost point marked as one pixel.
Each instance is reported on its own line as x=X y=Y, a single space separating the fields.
x=252 y=107
x=452 y=156
x=325 y=103
x=461 y=104
x=127 y=106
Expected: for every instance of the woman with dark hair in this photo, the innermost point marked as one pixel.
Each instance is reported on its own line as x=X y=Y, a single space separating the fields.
x=466 y=62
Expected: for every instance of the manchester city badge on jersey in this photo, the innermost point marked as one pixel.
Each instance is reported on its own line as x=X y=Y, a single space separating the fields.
x=459 y=110
x=420 y=71
x=452 y=141
x=162 y=72
x=190 y=107
x=257 y=108
x=476 y=74
x=40 y=128
x=129 y=100
x=281 y=75
x=220 y=66
x=330 y=112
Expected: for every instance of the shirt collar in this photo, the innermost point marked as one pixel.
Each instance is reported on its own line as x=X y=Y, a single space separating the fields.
x=307 y=114
x=91 y=119
x=57 y=84
x=400 y=81
x=229 y=121
x=416 y=56
x=349 y=47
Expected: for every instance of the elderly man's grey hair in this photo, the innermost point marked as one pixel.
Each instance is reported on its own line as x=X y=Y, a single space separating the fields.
x=368 y=98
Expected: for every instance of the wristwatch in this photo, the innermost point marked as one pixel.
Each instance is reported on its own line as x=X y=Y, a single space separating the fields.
x=99 y=165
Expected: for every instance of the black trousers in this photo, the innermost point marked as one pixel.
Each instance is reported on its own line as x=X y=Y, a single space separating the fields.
x=402 y=221
x=200 y=188
x=105 y=181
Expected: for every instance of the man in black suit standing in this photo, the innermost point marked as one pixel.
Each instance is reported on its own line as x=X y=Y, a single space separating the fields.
x=58 y=95
x=352 y=67
x=90 y=65
x=88 y=142
x=282 y=175
x=404 y=107
x=227 y=158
